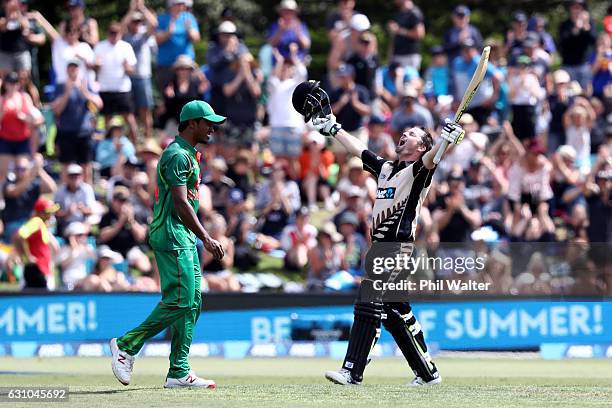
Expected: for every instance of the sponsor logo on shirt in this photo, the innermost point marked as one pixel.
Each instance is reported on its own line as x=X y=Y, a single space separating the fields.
x=385 y=193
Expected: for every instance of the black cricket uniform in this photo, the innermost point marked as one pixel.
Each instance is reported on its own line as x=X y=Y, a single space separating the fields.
x=402 y=187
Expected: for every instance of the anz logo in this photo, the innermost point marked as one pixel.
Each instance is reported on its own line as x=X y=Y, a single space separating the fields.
x=385 y=193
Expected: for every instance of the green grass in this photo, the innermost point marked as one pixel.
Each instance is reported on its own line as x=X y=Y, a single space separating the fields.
x=298 y=382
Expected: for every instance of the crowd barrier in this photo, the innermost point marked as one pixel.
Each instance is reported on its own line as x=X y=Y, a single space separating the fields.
x=239 y=325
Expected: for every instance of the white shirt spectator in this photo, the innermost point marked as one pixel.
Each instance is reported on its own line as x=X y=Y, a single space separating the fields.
x=62 y=53
x=112 y=76
x=527 y=90
x=536 y=183
x=76 y=269
x=280 y=110
x=291 y=235
x=580 y=139
x=144 y=46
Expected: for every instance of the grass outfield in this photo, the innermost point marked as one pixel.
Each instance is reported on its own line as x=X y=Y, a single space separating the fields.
x=299 y=382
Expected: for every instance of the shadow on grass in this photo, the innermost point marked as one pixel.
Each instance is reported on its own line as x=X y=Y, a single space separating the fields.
x=116 y=391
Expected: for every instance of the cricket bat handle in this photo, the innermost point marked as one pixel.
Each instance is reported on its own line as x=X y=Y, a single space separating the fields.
x=440 y=151
x=444 y=143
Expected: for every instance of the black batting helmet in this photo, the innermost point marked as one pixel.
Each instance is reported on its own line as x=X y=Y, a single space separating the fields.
x=309 y=99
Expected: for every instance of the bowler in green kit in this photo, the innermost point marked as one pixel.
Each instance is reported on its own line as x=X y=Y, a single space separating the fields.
x=172 y=235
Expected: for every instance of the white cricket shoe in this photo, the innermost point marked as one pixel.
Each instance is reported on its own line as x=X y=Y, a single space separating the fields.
x=418 y=382
x=342 y=377
x=122 y=363
x=190 y=380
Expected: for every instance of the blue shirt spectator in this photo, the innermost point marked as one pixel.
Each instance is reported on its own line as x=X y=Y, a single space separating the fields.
x=386 y=78
x=179 y=41
x=289 y=29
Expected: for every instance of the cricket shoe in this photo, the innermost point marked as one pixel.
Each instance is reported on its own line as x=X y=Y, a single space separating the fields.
x=190 y=380
x=419 y=382
x=122 y=363
x=342 y=377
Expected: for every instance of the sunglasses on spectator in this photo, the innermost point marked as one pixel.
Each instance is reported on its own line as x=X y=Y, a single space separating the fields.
x=113 y=32
x=120 y=199
x=21 y=168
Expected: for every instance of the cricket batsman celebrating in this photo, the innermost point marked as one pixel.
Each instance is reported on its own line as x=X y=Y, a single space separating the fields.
x=402 y=187
x=172 y=235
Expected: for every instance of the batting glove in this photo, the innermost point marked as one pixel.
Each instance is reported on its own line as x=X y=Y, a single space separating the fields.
x=452 y=132
x=326 y=125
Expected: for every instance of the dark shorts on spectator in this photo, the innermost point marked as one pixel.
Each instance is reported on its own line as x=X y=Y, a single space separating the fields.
x=116 y=102
x=15 y=148
x=74 y=148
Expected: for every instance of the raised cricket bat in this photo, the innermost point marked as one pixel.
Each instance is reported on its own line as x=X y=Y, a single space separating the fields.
x=477 y=78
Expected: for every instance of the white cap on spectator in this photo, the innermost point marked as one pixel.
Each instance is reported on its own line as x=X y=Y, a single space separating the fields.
x=105 y=252
x=288 y=5
x=567 y=152
x=76 y=228
x=219 y=164
x=173 y=2
x=466 y=119
x=360 y=22
x=137 y=16
x=227 y=27
x=561 y=76
x=74 y=169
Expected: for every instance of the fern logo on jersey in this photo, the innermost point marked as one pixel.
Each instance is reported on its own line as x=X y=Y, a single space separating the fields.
x=385 y=193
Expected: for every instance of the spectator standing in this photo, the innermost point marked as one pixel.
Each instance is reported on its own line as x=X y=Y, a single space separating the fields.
x=410 y=113
x=87 y=26
x=537 y=24
x=274 y=217
x=139 y=27
x=20 y=194
x=338 y=23
x=75 y=197
x=14 y=36
x=408 y=30
x=463 y=67
x=577 y=36
x=286 y=125
x=35 y=244
x=289 y=29
x=75 y=120
x=437 y=75
x=66 y=47
x=220 y=56
x=390 y=82
x=35 y=39
x=241 y=90
x=184 y=86
x=177 y=31
x=459 y=32
x=559 y=101
x=115 y=61
x=351 y=104
x=516 y=36
x=524 y=94
x=17 y=117
x=344 y=46
x=365 y=62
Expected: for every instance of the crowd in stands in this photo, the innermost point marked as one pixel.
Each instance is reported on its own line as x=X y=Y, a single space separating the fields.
x=529 y=188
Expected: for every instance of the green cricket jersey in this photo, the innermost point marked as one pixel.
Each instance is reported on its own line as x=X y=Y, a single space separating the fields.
x=179 y=165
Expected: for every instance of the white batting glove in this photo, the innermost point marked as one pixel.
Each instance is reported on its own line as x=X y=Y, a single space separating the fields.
x=452 y=132
x=326 y=125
